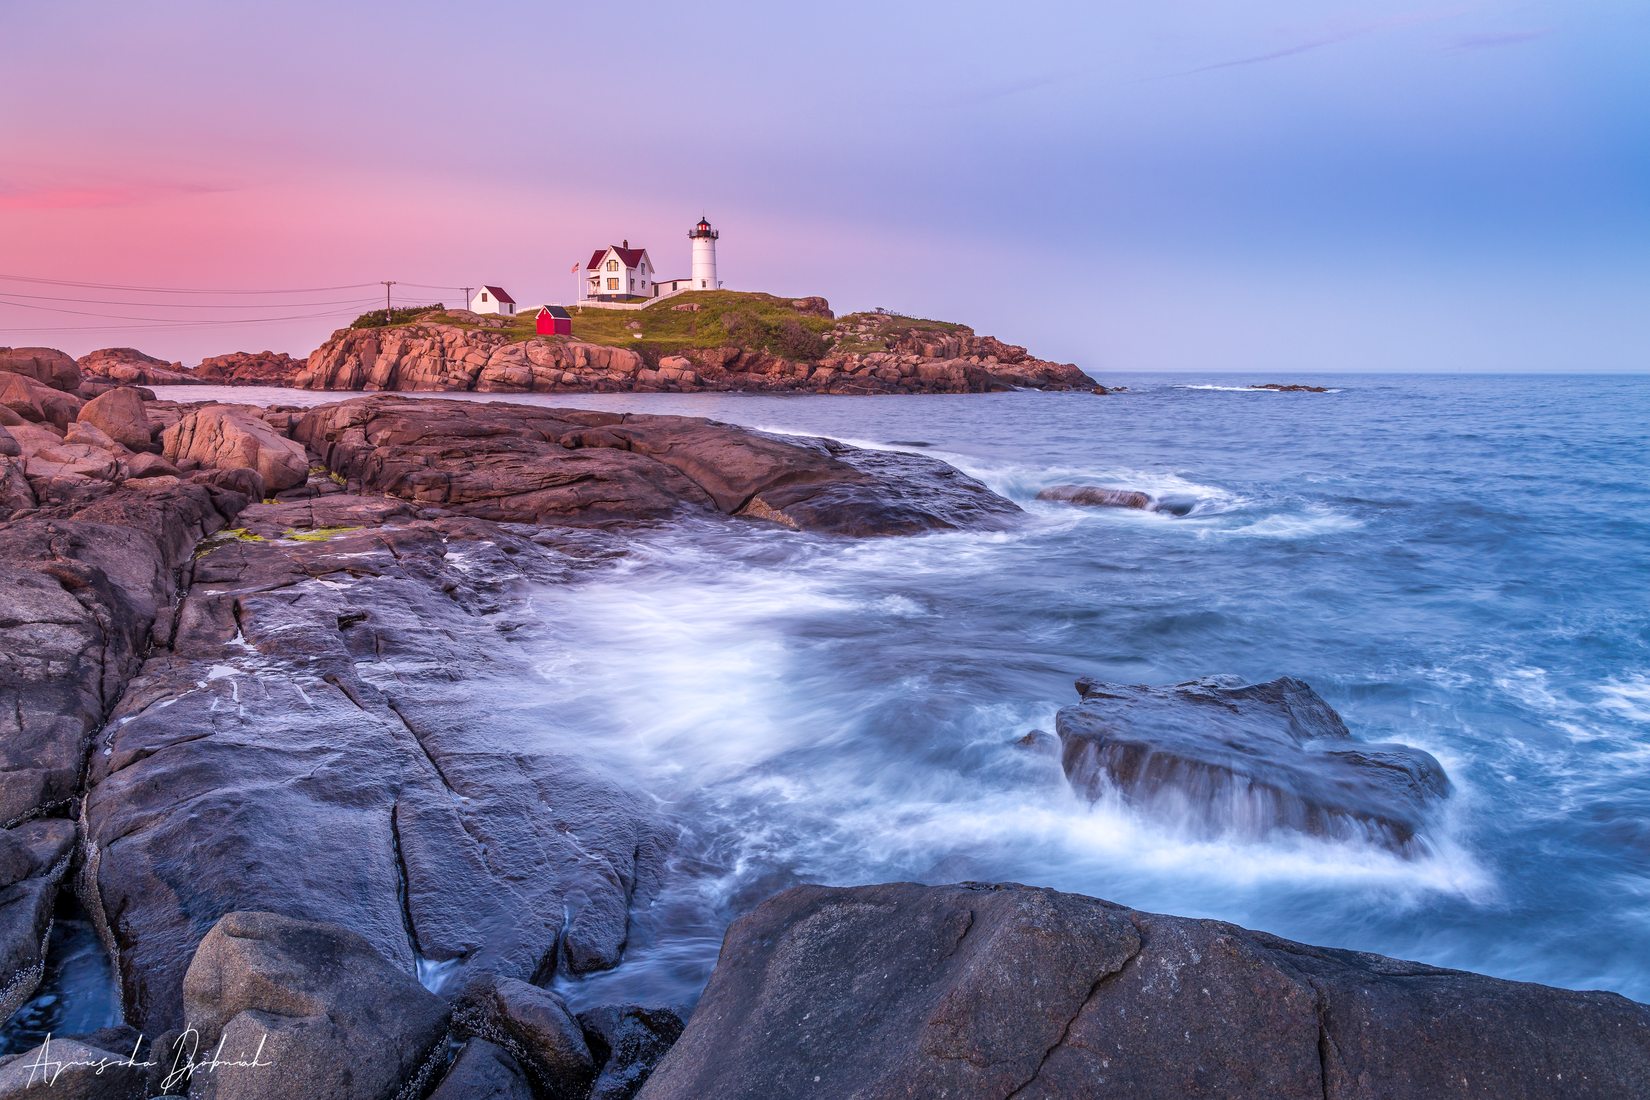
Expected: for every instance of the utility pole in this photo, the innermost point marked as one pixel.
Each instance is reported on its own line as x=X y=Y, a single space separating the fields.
x=466 y=297
x=387 y=284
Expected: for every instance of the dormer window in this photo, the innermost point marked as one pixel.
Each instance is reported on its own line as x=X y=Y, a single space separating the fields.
x=612 y=265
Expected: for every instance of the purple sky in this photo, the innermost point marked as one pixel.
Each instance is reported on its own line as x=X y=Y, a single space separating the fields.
x=1281 y=185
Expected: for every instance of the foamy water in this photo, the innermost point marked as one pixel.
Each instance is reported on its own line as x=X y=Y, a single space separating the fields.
x=1462 y=564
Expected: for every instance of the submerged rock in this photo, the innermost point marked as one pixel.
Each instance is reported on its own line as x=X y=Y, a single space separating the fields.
x=484 y=1071
x=628 y=1042
x=1222 y=756
x=884 y=992
x=34 y=857
x=1294 y=387
x=1095 y=496
x=536 y=1029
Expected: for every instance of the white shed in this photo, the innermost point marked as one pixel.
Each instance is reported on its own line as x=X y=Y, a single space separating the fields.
x=493 y=299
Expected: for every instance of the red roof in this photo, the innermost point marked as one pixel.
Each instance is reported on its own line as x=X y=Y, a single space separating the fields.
x=630 y=257
x=500 y=295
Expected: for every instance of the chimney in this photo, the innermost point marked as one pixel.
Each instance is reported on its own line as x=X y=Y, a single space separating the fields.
x=626 y=243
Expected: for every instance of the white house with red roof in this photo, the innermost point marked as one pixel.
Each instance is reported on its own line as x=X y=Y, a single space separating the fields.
x=621 y=277
x=493 y=299
x=618 y=272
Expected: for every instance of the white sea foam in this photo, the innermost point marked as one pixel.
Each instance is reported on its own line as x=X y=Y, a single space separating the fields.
x=1238 y=389
x=1628 y=697
x=738 y=694
x=1311 y=522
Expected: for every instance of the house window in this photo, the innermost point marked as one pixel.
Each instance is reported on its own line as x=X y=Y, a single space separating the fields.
x=612 y=265
x=612 y=284
x=484 y=296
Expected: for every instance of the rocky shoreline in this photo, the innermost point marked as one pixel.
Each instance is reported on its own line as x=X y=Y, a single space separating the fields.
x=456 y=350
x=451 y=353
x=246 y=727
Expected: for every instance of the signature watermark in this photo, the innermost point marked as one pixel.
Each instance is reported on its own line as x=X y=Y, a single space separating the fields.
x=187 y=1061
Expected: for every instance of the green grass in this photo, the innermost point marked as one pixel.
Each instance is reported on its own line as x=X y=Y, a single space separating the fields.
x=882 y=331
x=724 y=318
x=678 y=329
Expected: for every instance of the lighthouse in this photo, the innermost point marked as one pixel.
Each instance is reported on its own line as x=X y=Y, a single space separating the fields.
x=704 y=255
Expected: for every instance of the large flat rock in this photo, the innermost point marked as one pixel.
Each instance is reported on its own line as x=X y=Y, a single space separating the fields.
x=519 y=463
x=997 y=991
x=321 y=739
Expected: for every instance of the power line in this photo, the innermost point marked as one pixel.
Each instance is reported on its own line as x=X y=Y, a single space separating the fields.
x=176 y=289
x=163 y=324
x=178 y=305
x=174 y=320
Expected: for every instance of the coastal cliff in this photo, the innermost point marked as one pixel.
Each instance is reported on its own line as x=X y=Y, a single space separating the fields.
x=754 y=343
x=246 y=640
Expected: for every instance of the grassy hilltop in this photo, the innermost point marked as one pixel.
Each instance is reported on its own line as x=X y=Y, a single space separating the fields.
x=725 y=318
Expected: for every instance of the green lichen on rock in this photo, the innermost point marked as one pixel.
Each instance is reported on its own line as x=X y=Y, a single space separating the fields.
x=224 y=538
x=316 y=534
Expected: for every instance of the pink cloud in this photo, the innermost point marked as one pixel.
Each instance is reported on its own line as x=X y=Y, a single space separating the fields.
x=83 y=197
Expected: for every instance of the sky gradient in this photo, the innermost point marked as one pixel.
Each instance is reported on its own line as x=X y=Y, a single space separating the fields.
x=1285 y=185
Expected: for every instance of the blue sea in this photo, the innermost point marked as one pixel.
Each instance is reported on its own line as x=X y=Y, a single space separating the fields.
x=1461 y=563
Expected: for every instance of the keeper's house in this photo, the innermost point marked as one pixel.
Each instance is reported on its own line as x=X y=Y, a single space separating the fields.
x=618 y=272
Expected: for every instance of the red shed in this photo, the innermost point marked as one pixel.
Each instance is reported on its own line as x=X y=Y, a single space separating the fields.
x=554 y=321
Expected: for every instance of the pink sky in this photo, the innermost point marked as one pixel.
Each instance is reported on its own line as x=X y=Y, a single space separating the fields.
x=1296 y=185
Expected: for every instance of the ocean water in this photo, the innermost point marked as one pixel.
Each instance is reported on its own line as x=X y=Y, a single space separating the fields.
x=1461 y=563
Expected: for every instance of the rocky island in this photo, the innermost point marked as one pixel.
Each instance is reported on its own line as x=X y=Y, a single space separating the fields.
x=701 y=342
x=246 y=729
x=711 y=341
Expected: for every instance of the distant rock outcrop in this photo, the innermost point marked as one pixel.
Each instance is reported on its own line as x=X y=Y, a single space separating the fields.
x=132 y=367
x=249 y=368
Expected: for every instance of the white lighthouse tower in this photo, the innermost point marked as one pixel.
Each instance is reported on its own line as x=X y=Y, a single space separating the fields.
x=704 y=256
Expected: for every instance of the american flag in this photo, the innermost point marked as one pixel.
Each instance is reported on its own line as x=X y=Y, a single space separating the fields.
x=575 y=268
